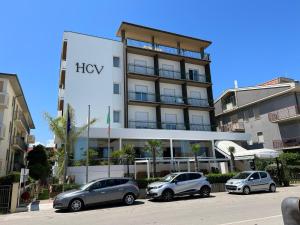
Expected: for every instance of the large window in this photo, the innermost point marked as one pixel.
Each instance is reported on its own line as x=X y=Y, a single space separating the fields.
x=116 y=116
x=116 y=88
x=260 y=137
x=116 y=61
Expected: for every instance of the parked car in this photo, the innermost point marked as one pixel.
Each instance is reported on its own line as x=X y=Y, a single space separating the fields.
x=251 y=181
x=96 y=192
x=176 y=184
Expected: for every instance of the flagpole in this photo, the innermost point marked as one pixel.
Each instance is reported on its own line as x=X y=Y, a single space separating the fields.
x=65 y=149
x=88 y=145
x=108 y=144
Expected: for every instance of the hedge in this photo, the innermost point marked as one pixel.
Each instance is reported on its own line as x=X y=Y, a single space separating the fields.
x=215 y=178
x=143 y=183
x=11 y=178
x=57 y=188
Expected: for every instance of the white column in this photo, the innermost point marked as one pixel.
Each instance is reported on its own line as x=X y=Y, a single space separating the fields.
x=189 y=165
x=120 y=143
x=171 y=153
x=148 y=169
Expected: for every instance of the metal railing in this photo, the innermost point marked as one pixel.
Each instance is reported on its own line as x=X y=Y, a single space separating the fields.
x=287 y=142
x=141 y=96
x=196 y=77
x=200 y=127
x=283 y=114
x=236 y=126
x=171 y=99
x=142 y=124
x=19 y=116
x=5 y=196
x=140 y=69
x=198 y=102
x=173 y=74
x=173 y=126
x=20 y=142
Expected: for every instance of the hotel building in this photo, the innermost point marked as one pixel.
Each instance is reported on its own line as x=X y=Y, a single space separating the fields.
x=158 y=85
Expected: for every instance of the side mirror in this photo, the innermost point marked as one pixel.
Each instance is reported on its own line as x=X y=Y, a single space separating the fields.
x=175 y=181
x=251 y=178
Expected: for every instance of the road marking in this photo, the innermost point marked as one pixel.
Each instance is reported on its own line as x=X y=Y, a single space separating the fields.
x=244 y=221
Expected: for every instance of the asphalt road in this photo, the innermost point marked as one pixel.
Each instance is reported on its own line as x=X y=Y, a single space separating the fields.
x=220 y=209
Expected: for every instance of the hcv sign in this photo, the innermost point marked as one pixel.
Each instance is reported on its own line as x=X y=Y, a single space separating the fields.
x=88 y=68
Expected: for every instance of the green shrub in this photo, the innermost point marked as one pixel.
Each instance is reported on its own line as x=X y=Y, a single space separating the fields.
x=44 y=194
x=142 y=183
x=11 y=178
x=57 y=188
x=219 y=178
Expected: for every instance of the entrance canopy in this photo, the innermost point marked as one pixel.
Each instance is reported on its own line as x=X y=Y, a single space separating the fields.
x=242 y=153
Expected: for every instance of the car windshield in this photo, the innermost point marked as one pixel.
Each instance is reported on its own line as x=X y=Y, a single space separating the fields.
x=242 y=175
x=168 y=178
x=85 y=186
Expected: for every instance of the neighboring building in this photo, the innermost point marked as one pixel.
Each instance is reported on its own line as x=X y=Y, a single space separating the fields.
x=15 y=124
x=157 y=83
x=270 y=112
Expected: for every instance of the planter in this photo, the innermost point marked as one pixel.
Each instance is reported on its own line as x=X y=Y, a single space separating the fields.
x=218 y=187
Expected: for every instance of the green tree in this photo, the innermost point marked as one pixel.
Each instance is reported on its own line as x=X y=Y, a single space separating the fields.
x=127 y=154
x=153 y=147
x=231 y=150
x=38 y=163
x=196 y=149
x=58 y=125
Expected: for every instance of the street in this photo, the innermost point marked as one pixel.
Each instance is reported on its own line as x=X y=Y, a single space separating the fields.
x=219 y=209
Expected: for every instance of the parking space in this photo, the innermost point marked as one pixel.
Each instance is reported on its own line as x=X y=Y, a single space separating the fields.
x=219 y=209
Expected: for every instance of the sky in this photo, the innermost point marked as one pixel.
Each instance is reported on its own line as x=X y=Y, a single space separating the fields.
x=252 y=41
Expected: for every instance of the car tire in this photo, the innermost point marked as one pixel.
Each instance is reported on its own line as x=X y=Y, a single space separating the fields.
x=205 y=191
x=246 y=190
x=129 y=199
x=272 y=188
x=76 y=205
x=167 y=195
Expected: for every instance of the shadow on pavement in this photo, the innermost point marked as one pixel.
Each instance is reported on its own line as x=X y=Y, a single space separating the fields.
x=102 y=206
x=182 y=198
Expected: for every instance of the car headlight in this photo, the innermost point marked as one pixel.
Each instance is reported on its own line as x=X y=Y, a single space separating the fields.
x=157 y=187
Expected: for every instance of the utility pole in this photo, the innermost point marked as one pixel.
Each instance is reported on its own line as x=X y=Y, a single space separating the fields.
x=88 y=145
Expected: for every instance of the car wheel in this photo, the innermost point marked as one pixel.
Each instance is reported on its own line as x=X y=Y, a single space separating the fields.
x=129 y=199
x=246 y=190
x=205 y=191
x=272 y=188
x=76 y=205
x=167 y=195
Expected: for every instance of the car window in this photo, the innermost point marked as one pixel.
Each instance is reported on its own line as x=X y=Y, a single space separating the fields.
x=182 y=177
x=263 y=174
x=98 y=185
x=255 y=176
x=193 y=176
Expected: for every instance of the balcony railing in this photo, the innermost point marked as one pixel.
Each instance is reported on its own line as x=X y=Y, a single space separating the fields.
x=200 y=127
x=141 y=96
x=284 y=114
x=173 y=126
x=3 y=99
x=142 y=124
x=287 y=143
x=140 y=69
x=19 y=117
x=196 y=77
x=20 y=143
x=173 y=74
x=171 y=99
x=236 y=126
x=167 y=49
x=198 y=102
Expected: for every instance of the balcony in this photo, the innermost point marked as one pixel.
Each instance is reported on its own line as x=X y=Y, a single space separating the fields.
x=168 y=99
x=21 y=121
x=142 y=124
x=3 y=100
x=19 y=142
x=200 y=127
x=31 y=139
x=141 y=96
x=233 y=127
x=2 y=131
x=196 y=77
x=173 y=126
x=285 y=114
x=198 y=102
x=171 y=74
x=287 y=143
x=140 y=69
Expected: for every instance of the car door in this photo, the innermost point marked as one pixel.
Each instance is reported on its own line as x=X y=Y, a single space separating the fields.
x=264 y=180
x=254 y=181
x=194 y=183
x=114 y=189
x=95 y=193
x=181 y=182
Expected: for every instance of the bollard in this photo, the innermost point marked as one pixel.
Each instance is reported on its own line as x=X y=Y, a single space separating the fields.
x=290 y=208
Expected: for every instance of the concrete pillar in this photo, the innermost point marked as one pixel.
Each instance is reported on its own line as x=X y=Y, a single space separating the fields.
x=148 y=169
x=171 y=154
x=14 y=197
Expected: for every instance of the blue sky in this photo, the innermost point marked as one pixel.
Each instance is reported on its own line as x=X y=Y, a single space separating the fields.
x=253 y=41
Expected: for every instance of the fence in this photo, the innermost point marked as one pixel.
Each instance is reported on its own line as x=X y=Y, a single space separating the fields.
x=5 y=195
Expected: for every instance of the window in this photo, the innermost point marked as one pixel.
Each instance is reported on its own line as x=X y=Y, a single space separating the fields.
x=193 y=74
x=182 y=177
x=116 y=116
x=98 y=185
x=141 y=92
x=116 y=88
x=263 y=174
x=116 y=61
x=260 y=137
x=255 y=176
x=256 y=113
x=246 y=115
x=194 y=176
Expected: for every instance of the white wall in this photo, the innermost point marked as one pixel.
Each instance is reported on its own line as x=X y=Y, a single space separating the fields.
x=133 y=82
x=204 y=114
x=134 y=108
x=178 y=89
x=149 y=60
x=169 y=62
x=203 y=91
x=82 y=89
x=201 y=69
x=178 y=112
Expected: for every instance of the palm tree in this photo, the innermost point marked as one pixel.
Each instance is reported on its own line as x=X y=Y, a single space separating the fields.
x=153 y=147
x=58 y=126
x=196 y=150
x=126 y=153
x=231 y=150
